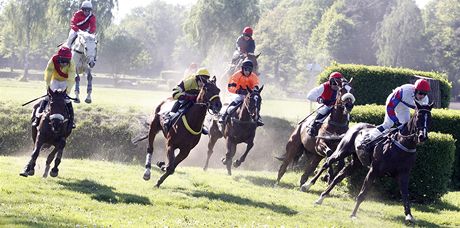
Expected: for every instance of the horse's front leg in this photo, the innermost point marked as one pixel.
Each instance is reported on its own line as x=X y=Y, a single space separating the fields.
x=169 y=168
x=77 y=88
x=238 y=162
x=89 y=87
x=55 y=170
x=371 y=175
x=231 y=150
x=48 y=162
x=403 y=181
x=29 y=170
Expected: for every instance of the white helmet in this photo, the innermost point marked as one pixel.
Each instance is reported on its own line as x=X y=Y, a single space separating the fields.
x=86 y=4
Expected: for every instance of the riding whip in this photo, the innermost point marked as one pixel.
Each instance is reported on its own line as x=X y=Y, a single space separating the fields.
x=34 y=100
x=309 y=115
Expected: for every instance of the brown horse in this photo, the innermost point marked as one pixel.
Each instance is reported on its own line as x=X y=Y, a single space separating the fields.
x=183 y=134
x=52 y=130
x=240 y=127
x=317 y=148
x=393 y=154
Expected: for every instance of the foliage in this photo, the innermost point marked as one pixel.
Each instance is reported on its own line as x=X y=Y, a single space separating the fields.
x=445 y=121
x=366 y=79
x=429 y=178
x=400 y=37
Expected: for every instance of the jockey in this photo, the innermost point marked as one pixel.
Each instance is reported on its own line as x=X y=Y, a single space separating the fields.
x=325 y=94
x=244 y=44
x=59 y=74
x=186 y=93
x=83 y=20
x=398 y=105
x=239 y=84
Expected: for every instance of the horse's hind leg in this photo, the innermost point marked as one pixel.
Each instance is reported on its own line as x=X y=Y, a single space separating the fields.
x=212 y=142
x=48 y=162
x=154 y=129
x=89 y=87
x=313 y=161
x=238 y=162
x=346 y=171
x=77 y=89
x=55 y=170
x=293 y=147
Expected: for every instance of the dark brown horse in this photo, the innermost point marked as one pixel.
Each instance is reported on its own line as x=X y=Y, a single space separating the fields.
x=240 y=127
x=393 y=154
x=317 y=148
x=185 y=133
x=52 y=130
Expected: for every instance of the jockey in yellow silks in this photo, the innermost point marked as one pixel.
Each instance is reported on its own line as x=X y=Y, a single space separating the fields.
x=59 y=74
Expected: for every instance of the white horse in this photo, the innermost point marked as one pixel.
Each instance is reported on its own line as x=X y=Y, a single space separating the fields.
x=84 y=52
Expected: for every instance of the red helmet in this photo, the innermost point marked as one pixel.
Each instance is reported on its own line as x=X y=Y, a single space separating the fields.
x=247 y=31
x=335 y=75
x=422 y=85
x=65 y=53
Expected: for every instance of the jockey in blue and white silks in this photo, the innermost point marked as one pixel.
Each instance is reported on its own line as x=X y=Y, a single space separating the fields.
x=325 y=94
x=399 y=103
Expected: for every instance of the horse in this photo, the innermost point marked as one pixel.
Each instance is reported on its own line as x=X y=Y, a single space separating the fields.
x=52 y=130
x=181 y=135
x=317 y=148
x=84 y=54
x=393 y=154
x=239 y=127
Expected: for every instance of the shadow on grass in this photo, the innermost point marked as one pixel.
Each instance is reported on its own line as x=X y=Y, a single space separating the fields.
x=436 y=207
x=103 y=193
x=264 y=181
x=418 y=222
x=228 y=198
x=34 y=221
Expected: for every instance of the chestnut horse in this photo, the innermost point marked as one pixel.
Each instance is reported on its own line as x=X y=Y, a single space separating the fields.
x=52 y=130
x=393 y=154
x=317 y=148
x=240 y=127
x=185 y=133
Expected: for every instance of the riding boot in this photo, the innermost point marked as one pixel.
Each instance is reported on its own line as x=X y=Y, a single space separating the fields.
x=370 y=138
x=223 y=118
x=71 y=114
x=204 y=130
x=260 y=122
x=40 y=109
x=316 y=125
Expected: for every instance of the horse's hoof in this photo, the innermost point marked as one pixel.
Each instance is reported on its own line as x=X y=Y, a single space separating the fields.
x=160 y=164
x=147 y=175
x=305 y=188
x=319 y=201
x=224 y=161
x=236 y=164
x=88 y=101
x=409 y=219
x=353 y=217
x=23 y=174
x=54 y=172
x=31 y=172
x=77 y=100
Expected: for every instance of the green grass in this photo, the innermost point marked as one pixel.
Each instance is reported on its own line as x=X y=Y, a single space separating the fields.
x=143 y=100
x=97 y=193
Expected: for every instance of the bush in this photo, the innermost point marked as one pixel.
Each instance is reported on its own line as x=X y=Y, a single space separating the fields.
x=429 y=177
x=372 y=84
x=443 y=120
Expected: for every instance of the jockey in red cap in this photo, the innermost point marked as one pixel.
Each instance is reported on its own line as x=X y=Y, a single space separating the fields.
x=244 y=44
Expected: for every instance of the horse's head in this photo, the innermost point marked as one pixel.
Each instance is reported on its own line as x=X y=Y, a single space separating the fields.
x=345 y=98
x=253 y=58
x=252 y=102
x=89 y=47
x=420 y=122
x=57 y=109
x=209 y=94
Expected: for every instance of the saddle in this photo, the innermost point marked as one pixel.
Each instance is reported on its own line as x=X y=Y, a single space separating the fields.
x=170 y=119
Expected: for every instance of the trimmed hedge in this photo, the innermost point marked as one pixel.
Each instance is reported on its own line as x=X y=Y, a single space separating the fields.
x=429 y=178
x=443 y=120
x=372 y=84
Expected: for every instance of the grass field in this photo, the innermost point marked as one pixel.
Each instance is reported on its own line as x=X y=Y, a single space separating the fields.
x=144 y=101
x=97 y=193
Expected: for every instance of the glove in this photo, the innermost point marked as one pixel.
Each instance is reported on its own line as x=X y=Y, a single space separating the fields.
x=397 y=123
x=241 y=91
x=189 y=97
x=320 y=100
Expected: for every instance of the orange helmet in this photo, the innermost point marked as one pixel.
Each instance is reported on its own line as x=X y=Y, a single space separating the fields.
x=422 y=85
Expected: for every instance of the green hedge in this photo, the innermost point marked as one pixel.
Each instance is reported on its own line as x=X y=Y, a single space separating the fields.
x=429 y=178
x=372 y=84
x=443 y=120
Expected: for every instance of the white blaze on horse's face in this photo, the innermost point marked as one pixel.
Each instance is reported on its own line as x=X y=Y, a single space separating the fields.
x=89 y=42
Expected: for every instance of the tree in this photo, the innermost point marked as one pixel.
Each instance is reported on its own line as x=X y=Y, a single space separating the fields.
x=442 y=20
x=26 y=25
x=400 y=38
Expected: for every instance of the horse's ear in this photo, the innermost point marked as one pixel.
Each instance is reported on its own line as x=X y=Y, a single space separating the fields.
x=50 y=92
x=431 y=105
x=351 y=80
x=261 y=88
x=257 y=56
x=214 y=79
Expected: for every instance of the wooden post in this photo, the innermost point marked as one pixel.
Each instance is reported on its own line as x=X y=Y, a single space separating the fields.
x=435 y=94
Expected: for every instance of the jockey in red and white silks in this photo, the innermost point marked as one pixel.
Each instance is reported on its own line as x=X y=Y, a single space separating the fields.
x=83 y=20
x=325 y=94
x=399 y=103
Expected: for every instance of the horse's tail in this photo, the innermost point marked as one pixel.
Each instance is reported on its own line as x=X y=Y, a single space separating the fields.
x=136 y=140
x=158 y=108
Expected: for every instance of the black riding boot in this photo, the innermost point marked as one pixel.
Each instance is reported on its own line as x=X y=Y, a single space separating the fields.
x=71 y=114
x=316 y=125
x=40 y=109
x=170 y=115
x=223 y=118
x=260 y=122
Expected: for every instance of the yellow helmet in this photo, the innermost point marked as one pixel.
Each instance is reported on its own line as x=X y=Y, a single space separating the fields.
x=203 y=72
